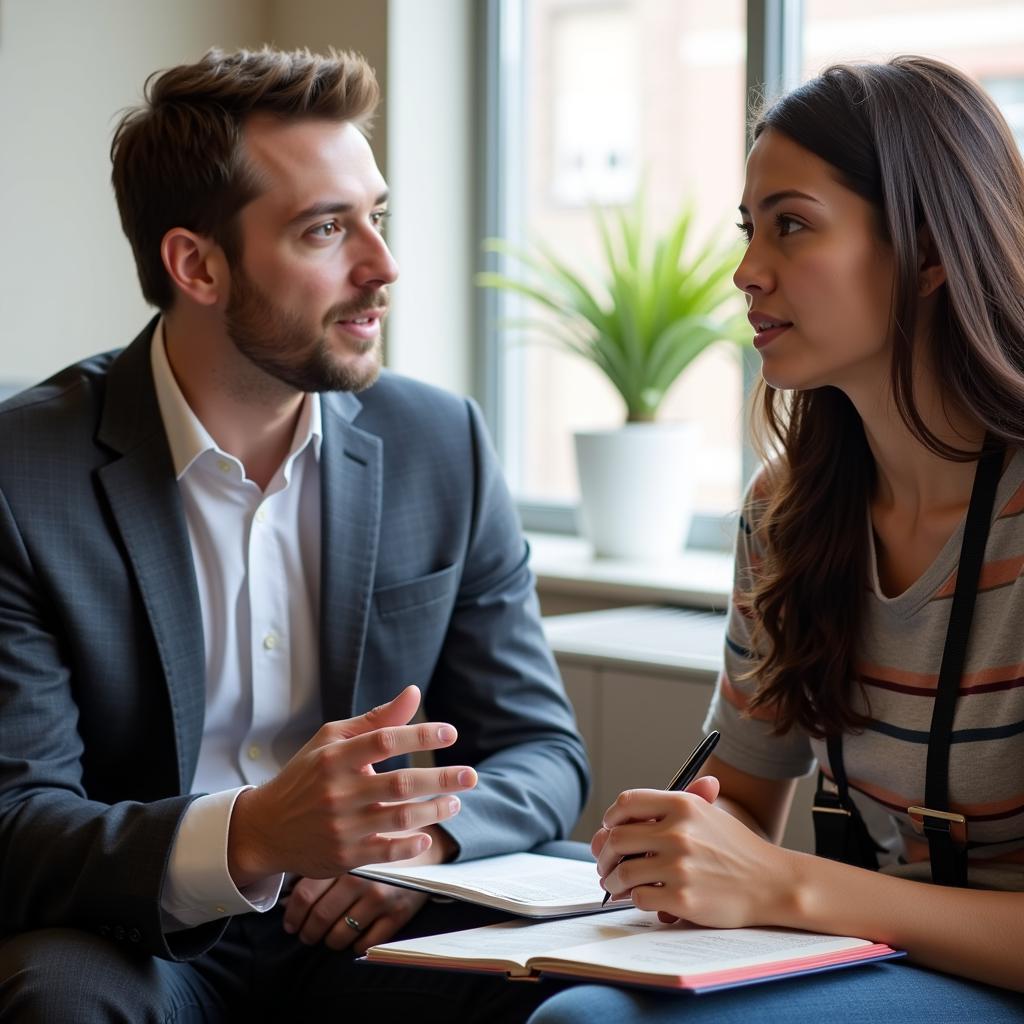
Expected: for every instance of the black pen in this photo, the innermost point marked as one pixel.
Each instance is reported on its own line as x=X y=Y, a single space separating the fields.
x=681 y=780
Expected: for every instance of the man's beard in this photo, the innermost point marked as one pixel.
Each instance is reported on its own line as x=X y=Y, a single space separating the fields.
x=282 y=345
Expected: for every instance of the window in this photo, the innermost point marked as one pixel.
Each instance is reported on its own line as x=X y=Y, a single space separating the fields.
x=592 y=136
x=985 y=40
x=612 y=95
x=615 y=94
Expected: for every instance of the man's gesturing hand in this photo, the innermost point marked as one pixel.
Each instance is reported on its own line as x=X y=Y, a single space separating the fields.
x=327 y=810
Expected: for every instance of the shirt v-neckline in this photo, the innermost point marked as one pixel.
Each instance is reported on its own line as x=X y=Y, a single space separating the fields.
x=923 y=589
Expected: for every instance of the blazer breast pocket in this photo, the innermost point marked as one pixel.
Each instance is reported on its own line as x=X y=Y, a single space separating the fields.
x=409 y=626
x=418 y=594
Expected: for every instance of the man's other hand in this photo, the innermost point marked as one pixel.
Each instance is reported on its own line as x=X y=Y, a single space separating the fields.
x=349 y=911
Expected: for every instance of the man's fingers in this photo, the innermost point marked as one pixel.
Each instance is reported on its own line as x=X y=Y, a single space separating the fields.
x=307 y=894
x=387 y=818
x=381 y=849
x=301 y=900
x=383 y=929
x=397 y=711
x=412 y=783
x=392 y=741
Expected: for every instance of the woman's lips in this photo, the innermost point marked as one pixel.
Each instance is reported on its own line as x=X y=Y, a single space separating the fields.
x=766 y=327
x=766 y=337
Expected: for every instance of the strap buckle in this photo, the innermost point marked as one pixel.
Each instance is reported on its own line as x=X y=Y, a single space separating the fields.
x=826 y=799
x=819 y=809
x=927 y=821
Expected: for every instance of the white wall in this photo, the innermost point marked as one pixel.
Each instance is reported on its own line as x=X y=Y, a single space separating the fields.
x=67 y=279
x=360 y=25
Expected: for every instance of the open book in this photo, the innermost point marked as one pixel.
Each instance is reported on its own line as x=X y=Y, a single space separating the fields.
x=526 y=884
x=632 y=947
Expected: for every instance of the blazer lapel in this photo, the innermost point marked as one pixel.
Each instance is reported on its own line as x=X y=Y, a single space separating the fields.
x=146 y=505
x=351 y=473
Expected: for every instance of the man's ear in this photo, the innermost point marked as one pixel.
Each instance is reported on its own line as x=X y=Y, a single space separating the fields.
x=196 y=265
x=930 y=271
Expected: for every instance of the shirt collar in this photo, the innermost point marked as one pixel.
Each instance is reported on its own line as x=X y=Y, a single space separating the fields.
x=186 y=435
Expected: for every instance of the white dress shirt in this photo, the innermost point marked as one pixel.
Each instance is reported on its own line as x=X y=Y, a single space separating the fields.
x=257 y=563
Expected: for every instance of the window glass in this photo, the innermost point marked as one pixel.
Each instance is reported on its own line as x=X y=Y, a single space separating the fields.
x=621 y=95
x=985 y=40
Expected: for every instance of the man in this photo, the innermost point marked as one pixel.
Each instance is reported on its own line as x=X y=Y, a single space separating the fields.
x=210 y=547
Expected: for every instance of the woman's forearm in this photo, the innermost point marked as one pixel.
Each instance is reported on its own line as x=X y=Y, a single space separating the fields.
x=974 y=933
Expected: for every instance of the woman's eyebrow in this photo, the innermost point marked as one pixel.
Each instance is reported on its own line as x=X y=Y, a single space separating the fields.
x=777 y=197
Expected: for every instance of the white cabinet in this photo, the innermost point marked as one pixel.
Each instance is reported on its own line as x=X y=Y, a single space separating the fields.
x=641 y=679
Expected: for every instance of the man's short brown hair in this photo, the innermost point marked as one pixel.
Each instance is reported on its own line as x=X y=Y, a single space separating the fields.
x=178 y=161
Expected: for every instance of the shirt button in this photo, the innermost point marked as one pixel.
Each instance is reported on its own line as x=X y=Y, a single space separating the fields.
x=261 y=516
x=134 y=935
x=220 y=909
x=269 y=642
x=254 y=752
x=224 y=466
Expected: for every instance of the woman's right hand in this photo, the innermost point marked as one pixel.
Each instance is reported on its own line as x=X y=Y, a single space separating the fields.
x=689 y=858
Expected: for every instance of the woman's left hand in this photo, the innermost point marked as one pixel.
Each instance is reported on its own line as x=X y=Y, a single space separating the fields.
x=696 y=861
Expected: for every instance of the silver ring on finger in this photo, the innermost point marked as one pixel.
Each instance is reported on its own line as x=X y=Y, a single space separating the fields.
x=353 y=923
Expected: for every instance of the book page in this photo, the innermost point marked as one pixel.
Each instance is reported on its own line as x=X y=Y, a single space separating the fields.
x=683 y=949
x=626 y=942
x=518 y=941
x=526 y=878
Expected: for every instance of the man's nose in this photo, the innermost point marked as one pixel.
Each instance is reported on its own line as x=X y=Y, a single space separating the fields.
x=376 y=265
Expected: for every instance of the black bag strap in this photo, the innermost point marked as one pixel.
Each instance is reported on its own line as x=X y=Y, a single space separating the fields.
x=839 y=830
x=840 y=833
x=946 y=832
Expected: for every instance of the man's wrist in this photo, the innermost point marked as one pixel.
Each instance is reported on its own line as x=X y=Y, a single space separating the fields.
x=247 y=861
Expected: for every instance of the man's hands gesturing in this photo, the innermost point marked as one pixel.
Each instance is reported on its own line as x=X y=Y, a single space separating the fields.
x=328 y=811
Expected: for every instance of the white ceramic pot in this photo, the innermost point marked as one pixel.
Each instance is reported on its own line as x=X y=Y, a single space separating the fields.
x=636 y=488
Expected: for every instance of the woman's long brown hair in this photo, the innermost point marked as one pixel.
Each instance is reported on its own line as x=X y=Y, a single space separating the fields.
x=929 y=149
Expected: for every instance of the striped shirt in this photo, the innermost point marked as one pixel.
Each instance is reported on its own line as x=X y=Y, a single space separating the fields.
x=897 y=665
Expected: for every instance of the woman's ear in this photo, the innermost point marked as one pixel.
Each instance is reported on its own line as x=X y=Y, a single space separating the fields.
x=930 y=271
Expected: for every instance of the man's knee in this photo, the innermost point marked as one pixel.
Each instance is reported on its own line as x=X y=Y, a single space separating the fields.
x=61 y=974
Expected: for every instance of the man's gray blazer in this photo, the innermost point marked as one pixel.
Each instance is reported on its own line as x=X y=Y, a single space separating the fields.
x=424 y=580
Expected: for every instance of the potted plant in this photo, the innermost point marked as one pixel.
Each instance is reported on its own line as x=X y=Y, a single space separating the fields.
x=659 y=306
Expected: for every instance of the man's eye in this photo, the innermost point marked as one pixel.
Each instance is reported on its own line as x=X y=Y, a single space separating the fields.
x=380 y=218
x=328 y=230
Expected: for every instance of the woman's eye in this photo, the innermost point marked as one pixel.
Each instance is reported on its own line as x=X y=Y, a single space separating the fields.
x=787 y=225
x=746 y=230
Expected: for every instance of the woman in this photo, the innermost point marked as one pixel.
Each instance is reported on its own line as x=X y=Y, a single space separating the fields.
x=884 y=213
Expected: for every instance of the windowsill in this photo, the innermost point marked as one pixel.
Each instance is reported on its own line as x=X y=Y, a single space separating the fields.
x=694 y=579
x=654 y=640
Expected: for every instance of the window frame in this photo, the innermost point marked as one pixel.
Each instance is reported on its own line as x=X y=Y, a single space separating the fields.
x=773 y=65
